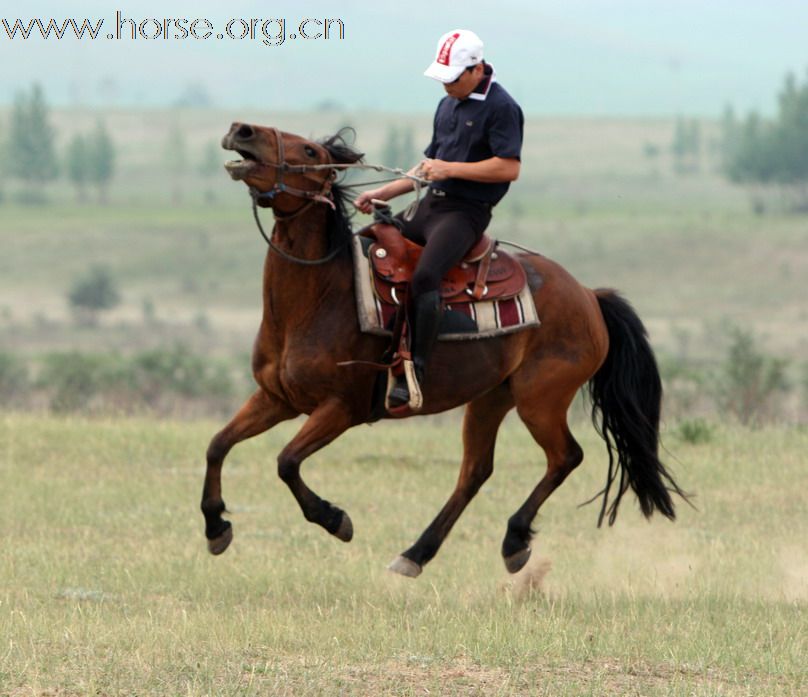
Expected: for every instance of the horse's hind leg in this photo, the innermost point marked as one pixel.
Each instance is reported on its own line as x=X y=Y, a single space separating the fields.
x=542 y=405
x=259 y=413
x=326 y=422
x=480 y=425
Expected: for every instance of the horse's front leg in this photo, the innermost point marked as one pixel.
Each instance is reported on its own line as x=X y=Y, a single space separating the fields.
x=259 y=413
x=325 y=423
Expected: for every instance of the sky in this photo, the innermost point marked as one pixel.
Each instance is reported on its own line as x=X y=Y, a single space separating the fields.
x=571 y=58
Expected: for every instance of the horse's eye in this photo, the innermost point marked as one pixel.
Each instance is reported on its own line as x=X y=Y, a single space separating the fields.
x=309 y=151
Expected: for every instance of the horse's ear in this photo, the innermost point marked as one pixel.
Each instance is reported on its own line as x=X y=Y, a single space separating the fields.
x=339 y=149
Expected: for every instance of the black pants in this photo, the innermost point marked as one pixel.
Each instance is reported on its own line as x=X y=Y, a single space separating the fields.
x=447 y=228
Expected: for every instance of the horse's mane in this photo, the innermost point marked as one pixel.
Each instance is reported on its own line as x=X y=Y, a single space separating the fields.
x=339 y=219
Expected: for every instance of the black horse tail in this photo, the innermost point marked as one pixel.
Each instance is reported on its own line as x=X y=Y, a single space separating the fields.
x=626 y=395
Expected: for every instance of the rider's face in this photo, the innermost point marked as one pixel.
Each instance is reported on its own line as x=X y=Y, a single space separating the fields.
x=466 y=83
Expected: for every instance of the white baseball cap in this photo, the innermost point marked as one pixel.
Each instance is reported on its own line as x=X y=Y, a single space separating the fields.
x=457 y=50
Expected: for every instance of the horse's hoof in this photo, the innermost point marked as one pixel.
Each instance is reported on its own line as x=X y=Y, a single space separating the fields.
x=221 y=543
x=345 y=530
x=516 y=561
x=405 y=567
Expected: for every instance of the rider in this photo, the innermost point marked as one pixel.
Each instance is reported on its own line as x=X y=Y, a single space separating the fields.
x=472 y=158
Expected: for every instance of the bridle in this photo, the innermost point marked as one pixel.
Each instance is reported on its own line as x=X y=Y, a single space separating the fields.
x=283 y=167
x=324 y=195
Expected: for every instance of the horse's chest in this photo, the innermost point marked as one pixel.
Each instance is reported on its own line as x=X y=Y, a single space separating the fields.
x=305 y=373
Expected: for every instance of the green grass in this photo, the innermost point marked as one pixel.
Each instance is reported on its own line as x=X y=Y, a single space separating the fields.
x=106 y=586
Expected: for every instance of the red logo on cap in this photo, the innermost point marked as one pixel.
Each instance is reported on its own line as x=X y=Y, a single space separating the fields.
x=446 y=49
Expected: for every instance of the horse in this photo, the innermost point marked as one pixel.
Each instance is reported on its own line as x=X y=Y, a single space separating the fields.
x=309 y=357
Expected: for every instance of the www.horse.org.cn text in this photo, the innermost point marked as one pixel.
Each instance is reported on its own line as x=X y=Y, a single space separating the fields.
x=270 y=32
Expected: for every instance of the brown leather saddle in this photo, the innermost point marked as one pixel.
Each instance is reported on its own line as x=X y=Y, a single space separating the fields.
x=486 y=272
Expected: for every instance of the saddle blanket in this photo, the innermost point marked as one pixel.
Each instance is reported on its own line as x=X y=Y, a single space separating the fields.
x=463 y=321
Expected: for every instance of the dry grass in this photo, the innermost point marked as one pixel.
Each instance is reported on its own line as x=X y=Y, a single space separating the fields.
x=106 y=587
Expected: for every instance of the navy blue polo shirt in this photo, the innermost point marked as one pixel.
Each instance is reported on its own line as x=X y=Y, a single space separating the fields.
x=488 y=123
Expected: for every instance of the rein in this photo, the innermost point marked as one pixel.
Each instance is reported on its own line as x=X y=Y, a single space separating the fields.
x=324 y=195
x=275 y=248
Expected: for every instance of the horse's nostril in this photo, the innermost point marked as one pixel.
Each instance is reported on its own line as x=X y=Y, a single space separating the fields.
x=245 y=131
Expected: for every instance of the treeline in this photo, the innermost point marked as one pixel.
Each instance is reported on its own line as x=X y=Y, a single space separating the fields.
x=771 y=151
x=752 y=151
x=88 y=160
x=30 y=155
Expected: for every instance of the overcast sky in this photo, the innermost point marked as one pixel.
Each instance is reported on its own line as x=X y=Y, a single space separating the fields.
x=570 y=57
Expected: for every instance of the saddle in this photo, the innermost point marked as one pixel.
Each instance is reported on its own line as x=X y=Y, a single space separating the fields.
x=486 y=272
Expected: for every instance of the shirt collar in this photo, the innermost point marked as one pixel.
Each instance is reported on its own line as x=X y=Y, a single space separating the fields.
x=482 y=90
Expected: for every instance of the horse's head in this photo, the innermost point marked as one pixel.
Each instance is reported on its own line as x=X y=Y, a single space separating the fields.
x=284 y=167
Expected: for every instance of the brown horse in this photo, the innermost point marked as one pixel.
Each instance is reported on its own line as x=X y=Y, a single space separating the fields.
x=310 y=326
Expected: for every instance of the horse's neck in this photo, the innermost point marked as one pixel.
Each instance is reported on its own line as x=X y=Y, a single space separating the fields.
x=305 y=236
x=294 y=292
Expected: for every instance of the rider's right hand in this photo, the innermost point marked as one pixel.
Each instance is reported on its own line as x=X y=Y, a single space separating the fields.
x=363 y=203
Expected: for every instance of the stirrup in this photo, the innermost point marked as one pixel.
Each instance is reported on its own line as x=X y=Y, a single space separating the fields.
x=396 y=390
x=416 y=397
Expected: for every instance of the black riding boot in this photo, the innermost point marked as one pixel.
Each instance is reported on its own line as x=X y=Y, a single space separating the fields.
x=427 y=313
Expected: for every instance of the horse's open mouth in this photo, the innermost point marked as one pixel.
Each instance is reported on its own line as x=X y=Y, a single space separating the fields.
x=238 y=169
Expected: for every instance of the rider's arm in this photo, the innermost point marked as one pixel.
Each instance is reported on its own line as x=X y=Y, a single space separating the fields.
x=396 y=187
x=388 y=191
x=492 y=170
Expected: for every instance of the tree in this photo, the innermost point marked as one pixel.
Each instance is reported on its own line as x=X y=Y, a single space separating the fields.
x=101 y=160
x=753 y=157
x=791 y=134
x=772 y=151
x=90 y=159
x=92 y=293
x=30 y=151
x=78 y=165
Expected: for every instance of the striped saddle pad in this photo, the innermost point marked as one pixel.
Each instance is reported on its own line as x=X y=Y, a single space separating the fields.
x=462 y=321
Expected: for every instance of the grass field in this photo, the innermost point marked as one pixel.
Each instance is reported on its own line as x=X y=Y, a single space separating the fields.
x=106 y=587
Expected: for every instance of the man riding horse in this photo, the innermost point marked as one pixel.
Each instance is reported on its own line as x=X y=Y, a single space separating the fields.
x=473 y=156
x=311 y=353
